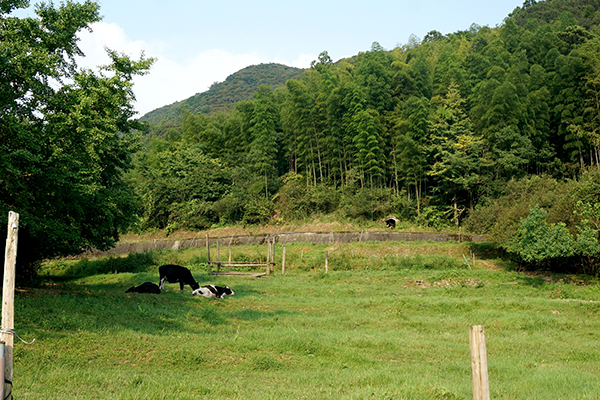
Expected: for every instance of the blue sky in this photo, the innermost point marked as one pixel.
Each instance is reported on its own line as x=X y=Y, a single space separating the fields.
x=197 y=43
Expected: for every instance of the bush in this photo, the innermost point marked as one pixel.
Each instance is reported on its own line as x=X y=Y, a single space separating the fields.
x=193 y=214
x=297 y=201
x=539 y=244
x=433 y=217
x=499 y=218
x=374 y=204
x=257 y=211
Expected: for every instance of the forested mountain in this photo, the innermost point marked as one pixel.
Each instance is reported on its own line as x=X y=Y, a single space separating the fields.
x=223 y=95
x=431 y=131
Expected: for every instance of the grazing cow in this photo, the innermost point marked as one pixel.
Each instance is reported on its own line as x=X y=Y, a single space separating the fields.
x=213 y=292
x=146 y=287
x=176 y=273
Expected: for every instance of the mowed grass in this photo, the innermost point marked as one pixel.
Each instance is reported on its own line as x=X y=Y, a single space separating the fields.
x=389 y=321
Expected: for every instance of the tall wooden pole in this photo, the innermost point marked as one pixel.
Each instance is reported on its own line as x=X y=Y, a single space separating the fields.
x=326 y=263
x=479 y=367
x=8 y=298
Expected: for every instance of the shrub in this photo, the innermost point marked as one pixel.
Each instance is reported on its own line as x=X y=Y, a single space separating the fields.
x=297 y=201
x=374 y=204
x=537 y=243
x=433 y=217
x=499 y=218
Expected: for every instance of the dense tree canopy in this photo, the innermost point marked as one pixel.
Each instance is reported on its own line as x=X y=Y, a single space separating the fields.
x=442 y=122
x=65 y=133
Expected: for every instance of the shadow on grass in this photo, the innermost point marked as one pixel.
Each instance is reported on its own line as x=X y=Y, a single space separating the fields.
x=255 y=315
x=134 y=262
x=487 y=250
x=536 y=281
x=62 y=309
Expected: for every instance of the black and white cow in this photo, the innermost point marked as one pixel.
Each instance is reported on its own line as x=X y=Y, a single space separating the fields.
x=176 y=273
x=146 y=287
x=213 y=292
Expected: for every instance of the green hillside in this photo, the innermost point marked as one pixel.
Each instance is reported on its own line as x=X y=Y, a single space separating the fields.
x=223 y=95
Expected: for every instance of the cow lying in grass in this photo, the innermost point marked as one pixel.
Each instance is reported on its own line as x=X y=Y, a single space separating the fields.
x=146 y=287
x=175 y=273
x=213 y=292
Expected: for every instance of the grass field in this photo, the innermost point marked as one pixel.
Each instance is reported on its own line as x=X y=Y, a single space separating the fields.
x=390 y=321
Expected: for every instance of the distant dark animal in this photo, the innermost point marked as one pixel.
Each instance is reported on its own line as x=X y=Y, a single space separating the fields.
x=391 y=222
x=176 y=273
x=213 y=292
x=146 y=287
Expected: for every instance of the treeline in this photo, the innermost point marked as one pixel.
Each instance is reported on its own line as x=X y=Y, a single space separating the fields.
x=426 y=131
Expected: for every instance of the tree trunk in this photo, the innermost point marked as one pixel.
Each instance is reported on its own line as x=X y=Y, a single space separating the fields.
x=417 y=184
x=318 y=152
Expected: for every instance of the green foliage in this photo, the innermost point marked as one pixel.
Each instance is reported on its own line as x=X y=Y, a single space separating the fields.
x=178 y=185
x=374 y=204
x=296 y=201
x=63 y=150
x=432 y=216
x=499 y=218
x=536 y=241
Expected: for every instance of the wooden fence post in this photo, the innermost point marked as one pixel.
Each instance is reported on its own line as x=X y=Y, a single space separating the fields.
x=208 y=254
x=326 y=263
x=218 y=250
x=479 y=368
x=268 y=256
x=273 y=254
x=283 y=262
x=8 y=299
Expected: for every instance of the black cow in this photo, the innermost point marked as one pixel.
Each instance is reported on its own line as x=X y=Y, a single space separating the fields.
x=213 y=292
x=146 y=287
x=176 y=273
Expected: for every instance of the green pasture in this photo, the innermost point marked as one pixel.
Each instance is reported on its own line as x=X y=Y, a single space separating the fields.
x=389 y=321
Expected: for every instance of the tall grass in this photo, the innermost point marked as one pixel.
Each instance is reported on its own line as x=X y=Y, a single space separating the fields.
x=379 y=326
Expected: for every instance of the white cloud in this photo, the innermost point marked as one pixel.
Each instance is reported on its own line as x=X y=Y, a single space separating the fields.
x=303 y=61
x=112 y=36
x=169 y=80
